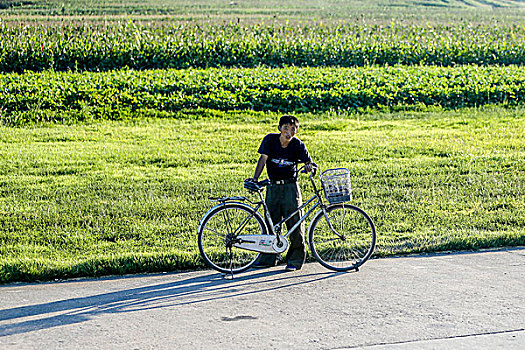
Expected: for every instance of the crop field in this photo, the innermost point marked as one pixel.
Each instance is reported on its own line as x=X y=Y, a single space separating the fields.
x=119 y=119
x=257 y=10
x=135 y=44
x=96 y=36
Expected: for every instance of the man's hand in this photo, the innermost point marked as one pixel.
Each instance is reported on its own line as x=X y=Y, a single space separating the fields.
x=308 y=167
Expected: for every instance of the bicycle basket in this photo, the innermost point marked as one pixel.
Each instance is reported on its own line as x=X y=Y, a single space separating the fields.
x=336 y=185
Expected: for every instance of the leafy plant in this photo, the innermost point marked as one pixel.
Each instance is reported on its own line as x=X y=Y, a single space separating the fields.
x=120 y=94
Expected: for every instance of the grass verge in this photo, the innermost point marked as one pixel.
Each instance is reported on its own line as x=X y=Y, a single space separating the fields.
x=117 y=197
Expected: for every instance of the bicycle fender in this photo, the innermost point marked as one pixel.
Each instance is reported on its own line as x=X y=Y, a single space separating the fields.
x=223 y=204
x=227 y=199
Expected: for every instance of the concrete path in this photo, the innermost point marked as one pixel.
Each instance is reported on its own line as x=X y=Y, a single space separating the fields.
x=443 y=301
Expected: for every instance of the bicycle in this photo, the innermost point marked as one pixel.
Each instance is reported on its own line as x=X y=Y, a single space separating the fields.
x=341 y=236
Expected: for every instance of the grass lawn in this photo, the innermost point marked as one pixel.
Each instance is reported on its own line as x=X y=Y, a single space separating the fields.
x=127 y=196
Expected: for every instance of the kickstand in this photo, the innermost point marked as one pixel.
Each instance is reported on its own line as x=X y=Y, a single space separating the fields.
x=229 y=276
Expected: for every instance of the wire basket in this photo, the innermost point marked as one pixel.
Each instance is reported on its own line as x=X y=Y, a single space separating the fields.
x=336 y=185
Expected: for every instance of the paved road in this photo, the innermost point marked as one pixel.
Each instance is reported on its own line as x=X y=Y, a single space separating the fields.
x=445 y=301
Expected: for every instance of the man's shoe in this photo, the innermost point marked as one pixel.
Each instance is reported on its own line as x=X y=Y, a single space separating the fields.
x=260 y=265
x=291 y=268
x=267 y=260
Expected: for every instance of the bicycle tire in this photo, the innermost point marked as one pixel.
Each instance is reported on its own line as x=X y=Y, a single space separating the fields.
x=218 y=226
x=355 y=243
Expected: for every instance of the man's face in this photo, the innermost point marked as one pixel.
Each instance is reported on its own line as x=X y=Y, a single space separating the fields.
x=288 y=131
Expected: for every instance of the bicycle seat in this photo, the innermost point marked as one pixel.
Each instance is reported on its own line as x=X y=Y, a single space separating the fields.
x=256 y=186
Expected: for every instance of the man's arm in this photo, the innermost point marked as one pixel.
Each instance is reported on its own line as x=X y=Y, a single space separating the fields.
x=304 y=157
x=259 y=167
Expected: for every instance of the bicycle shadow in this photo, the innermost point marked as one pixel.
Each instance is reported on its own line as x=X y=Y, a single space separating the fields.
x=192 y=290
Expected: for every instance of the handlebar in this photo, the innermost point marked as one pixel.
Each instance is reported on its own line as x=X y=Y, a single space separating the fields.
x=314 y=169
x=256 y=186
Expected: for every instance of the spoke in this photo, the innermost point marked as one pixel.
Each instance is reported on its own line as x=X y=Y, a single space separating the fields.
x=361 y=252
x=332 y=228
x=343 y=257
x=243 y=224
x=226 y=217
x=329 y=240
x=353 y=254
x=215 y=232
x=334 y=252
x=239 y=227
x=343 y=222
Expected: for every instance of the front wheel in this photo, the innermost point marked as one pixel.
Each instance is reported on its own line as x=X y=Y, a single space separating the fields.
x=343 y=239
x=217 y=235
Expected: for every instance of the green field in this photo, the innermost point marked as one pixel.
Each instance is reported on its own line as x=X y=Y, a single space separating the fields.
x=112 y=137
x=117 y=197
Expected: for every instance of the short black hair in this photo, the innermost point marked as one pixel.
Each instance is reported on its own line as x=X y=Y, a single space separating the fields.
x=288 y=119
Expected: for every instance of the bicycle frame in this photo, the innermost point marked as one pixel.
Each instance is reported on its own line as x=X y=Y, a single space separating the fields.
x=275 y=229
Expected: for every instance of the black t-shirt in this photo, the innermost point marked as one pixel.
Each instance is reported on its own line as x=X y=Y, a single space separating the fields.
x=282 y=162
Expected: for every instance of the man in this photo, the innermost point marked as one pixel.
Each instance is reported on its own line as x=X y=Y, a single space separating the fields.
x=280 y=153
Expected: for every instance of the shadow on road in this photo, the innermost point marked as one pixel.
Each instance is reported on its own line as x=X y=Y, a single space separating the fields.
x=187 y=291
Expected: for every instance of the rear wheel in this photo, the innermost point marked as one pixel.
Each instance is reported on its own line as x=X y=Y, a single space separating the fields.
x=343 y=239
x=217 y=235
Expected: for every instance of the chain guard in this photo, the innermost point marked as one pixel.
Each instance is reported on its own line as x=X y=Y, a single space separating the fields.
x=261 y=243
